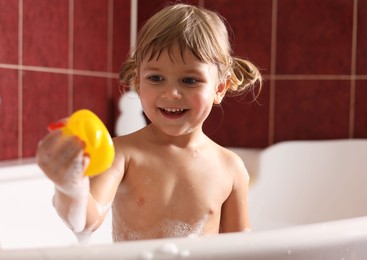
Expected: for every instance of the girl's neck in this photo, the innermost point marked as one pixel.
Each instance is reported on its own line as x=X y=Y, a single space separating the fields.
x=194 y=138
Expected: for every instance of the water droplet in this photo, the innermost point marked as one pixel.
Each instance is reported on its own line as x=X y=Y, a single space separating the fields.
x=184 y=253
x=168 y=249
x=146 y=255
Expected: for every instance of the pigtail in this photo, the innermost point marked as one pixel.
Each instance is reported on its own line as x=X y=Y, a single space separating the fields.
x=128 y=74
x=244 y=76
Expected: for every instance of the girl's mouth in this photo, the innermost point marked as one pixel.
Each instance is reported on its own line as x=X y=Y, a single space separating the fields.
x=173 y=113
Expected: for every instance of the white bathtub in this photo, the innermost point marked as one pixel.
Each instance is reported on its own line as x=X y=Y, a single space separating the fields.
x=27 y=218
x=307 y=201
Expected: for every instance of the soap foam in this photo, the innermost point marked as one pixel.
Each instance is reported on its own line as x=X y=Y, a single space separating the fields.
x=78 y=209
x=84 y=236
x=76 y=186
x=167 y=228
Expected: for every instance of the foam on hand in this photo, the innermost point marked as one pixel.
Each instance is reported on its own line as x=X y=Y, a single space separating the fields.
x=78 y=210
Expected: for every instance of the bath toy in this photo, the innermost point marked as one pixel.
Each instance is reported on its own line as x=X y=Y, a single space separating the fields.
x=99 y=146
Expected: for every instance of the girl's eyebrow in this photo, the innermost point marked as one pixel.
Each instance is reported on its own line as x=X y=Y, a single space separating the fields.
x=195 y=71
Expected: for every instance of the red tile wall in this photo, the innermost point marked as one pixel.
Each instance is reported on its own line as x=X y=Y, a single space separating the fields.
x=59 y=56
x=56 y=57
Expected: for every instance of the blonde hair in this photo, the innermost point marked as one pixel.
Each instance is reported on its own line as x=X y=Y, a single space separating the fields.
x=199 y=30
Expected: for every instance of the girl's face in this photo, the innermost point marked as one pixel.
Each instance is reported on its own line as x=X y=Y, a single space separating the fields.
x=177 y=94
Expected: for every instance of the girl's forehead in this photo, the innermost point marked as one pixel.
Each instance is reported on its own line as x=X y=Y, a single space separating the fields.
x=177 y=58
x=174 y=53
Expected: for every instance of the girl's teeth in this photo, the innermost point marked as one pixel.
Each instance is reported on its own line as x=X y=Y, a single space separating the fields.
x=173 y=110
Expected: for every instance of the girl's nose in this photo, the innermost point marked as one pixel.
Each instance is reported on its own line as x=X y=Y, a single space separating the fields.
x=171 y=92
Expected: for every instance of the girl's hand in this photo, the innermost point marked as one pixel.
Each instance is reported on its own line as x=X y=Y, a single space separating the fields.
x=62 y=160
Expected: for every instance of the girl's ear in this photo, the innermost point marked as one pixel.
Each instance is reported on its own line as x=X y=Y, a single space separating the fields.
x=221 y=91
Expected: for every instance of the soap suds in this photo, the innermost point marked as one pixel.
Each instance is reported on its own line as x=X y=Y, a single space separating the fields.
x=84 y=236
x=167 y=228
x=76 y=186
x=78 y=209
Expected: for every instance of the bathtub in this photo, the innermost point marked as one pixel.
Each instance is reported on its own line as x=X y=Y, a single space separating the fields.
x=307 y=200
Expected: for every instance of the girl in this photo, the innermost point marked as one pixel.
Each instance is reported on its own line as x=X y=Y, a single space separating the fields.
x=168 y=179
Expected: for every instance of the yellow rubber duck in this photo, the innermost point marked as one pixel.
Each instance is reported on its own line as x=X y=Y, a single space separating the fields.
x=99 y=146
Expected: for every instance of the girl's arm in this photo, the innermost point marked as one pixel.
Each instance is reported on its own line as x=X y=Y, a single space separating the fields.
x=81 y=202
x=234 y=216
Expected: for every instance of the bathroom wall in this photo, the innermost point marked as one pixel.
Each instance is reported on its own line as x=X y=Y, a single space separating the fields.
x=58 y=56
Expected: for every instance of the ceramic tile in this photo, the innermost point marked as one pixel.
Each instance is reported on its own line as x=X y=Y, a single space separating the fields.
x=8 y=114
x=121 y=33
x=44 y=101
x=360 y=126
x=147 y=8
x=314 y=37
x=241 y=121
x=311 y=110
x=45 y=33
x=249 y=23
x=9 y=31
x=91 y=93
x=90 y=35
x=362 y=38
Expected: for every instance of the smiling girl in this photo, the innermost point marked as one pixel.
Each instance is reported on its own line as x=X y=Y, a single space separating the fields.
x=168 y=179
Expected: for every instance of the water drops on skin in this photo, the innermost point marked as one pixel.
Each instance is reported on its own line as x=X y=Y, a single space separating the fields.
x=103 y=208
x=148 y=181
x=195 y=153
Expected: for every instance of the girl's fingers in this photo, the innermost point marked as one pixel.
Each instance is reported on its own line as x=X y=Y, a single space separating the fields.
x=57 y=156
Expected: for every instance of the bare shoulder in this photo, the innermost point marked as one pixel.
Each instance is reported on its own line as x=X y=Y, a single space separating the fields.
x=230 y=157
x=124 y=147
x=233 y=163
x=126 y=142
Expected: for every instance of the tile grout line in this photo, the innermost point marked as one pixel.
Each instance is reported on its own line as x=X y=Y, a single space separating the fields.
x=353 y=70
x=109 y=46
x=20 y=79
x=100 y=74
x=112 y=75
x=272 y=71
x=71 y=57
x=314 y=77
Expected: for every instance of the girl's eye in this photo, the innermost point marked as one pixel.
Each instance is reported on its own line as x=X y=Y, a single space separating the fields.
x=155 y=78
x=190 y=81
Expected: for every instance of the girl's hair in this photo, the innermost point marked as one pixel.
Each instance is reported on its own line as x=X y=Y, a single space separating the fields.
x=199 y=30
